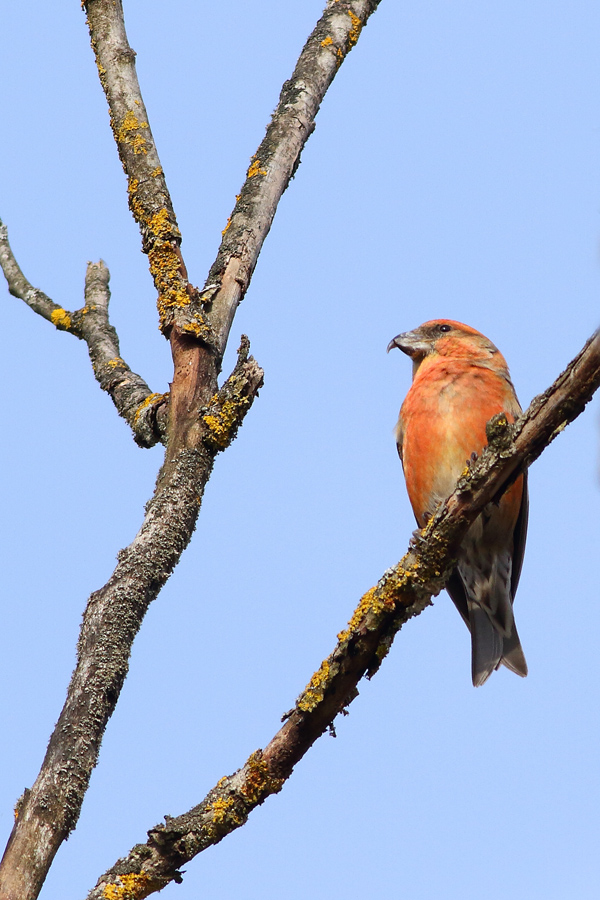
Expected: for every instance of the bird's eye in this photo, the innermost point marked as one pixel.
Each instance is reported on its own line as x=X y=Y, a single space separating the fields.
x=445 y=328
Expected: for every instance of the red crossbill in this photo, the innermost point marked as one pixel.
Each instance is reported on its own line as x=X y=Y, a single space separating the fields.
x=461 y=380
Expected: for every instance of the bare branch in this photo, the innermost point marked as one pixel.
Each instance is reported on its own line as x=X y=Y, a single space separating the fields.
x=143 y=410
x=403 y=592
x=19 y=287
x=277 y=158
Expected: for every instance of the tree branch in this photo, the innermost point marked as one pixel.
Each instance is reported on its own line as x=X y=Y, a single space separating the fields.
x=199 y=323
x=144 y=411
x=111 y=621
x=202 y=419
x=192 y=344
x=149 y=198
x=403 y=592
x=278 y=157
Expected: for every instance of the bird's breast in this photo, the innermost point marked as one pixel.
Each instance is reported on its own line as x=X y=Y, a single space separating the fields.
x=443 y=421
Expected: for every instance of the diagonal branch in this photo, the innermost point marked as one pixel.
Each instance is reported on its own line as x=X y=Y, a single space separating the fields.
x=403 y=592
x=143 y=410
x=149 y=199
x=202 y=419
x=111 y=621
x=278 y=157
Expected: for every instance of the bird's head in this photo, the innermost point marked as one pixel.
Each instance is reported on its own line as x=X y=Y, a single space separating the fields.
x=445 y=337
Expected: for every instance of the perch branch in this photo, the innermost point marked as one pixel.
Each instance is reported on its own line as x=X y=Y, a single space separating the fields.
x=403 y=592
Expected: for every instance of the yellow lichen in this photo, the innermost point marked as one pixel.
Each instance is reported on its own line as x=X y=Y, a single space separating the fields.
x=255 y=168
x=61 y=318
x=327 y=41
x=164 y=267
x=161 y=226
x=199 y=327
x=218 y=429
x=132 y=887
x=136 y=208
x=355 y=30
x=222 y=781
x=315 y=689
x=365 y=604
x=116 y=362
x=128 y=133
x=150 y=399
x=258 y=781
x=227 y=226
x=224 y=811
x=156 y=172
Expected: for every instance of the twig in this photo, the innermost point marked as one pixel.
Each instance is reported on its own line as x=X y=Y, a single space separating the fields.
x=143 y=410
x=403 y=592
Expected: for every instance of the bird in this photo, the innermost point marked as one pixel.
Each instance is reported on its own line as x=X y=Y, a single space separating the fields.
x=461 y=380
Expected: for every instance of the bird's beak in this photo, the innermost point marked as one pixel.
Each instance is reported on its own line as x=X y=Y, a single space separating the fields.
x=412 y=343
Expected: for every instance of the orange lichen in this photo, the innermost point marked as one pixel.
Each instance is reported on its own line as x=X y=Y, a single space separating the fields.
x=355 y=30
x=161 y=226
x=255 y=168
x=258 y=782
x=129 y=133
x=314 y=691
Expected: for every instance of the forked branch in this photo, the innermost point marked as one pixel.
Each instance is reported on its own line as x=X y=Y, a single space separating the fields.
x=202 y=419
x=143 y=410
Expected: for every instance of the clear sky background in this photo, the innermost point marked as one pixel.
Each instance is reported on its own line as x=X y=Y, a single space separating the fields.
x=454 y=172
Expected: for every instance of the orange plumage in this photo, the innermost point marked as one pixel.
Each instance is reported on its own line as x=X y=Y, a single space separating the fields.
x=461 y=380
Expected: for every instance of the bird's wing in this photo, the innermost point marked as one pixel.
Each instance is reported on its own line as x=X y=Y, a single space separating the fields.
x=520 y=536
x=456 y=589
x=399 y=433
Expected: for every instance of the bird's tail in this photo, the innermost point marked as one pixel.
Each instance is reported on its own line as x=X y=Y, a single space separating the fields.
x=490 y=648
x=512 y=653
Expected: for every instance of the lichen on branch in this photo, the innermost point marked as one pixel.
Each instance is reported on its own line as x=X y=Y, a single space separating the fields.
x=227 y=408
x=403 y=592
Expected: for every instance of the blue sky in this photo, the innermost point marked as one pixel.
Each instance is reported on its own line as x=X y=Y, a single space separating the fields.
x=455 y=172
